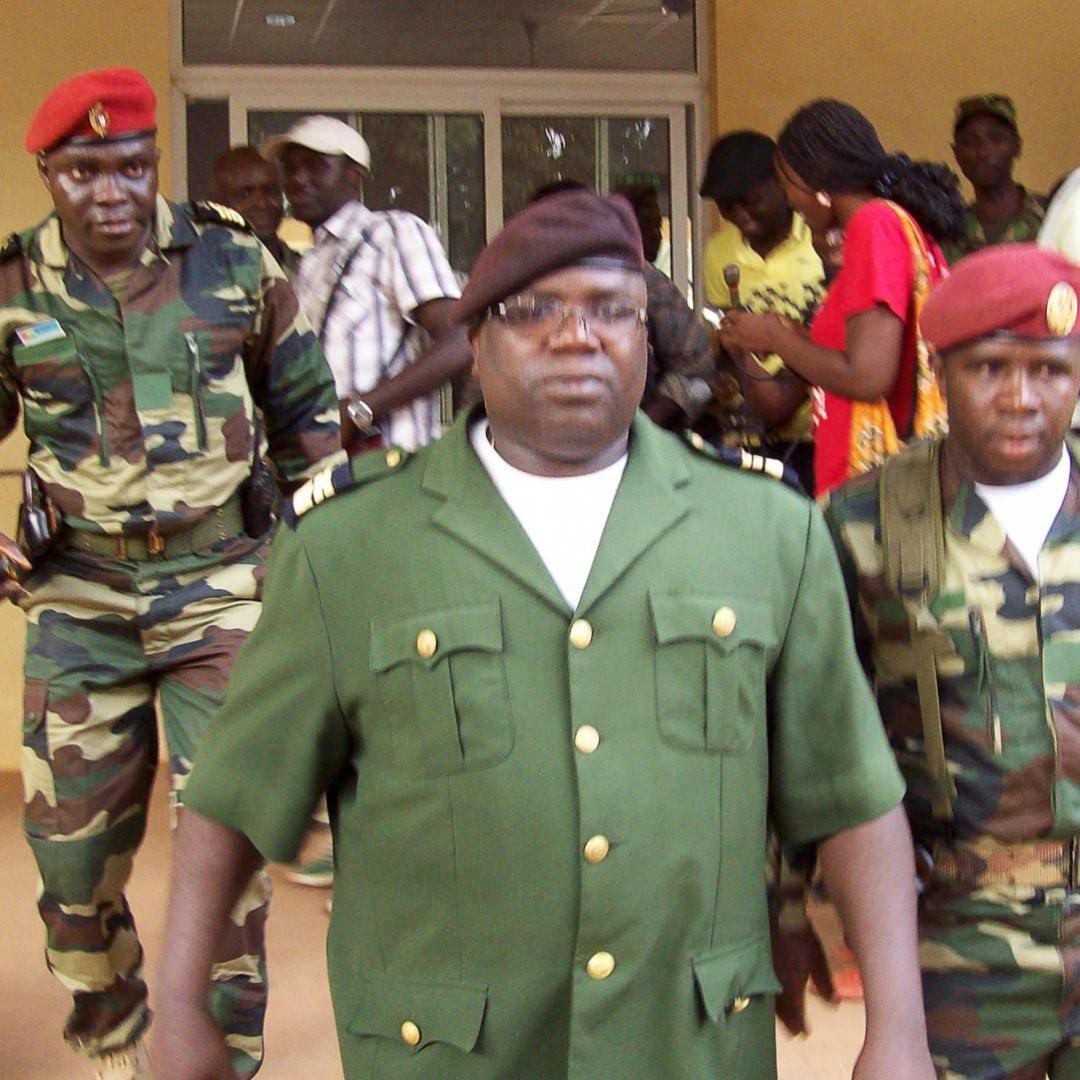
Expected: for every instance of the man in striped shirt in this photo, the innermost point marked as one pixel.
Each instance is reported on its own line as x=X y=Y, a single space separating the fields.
x=376 y=286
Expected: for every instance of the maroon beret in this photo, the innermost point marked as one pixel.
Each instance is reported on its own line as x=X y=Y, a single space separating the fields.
x=564 y=229
x=1021 y=289
x=113 y=103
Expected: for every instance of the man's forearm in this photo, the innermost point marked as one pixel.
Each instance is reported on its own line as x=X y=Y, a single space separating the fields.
x=211 y=865
x=870 y=874
x=447 y=358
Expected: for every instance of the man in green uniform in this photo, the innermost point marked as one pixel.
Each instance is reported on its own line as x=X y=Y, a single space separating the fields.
x=553 y=670
x=139 y=338
x=978 y=581
x=986 y=144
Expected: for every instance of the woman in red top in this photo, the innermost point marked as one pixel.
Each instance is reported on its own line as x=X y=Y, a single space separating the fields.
x=863 y=342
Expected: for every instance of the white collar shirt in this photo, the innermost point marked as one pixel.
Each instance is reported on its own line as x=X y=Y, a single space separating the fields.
x=359 y=286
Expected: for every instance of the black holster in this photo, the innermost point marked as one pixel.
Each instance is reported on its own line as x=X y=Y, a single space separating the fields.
x=39 y=520
x=260 y=496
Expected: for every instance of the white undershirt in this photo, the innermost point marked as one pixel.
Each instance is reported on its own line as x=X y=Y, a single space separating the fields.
x=1026 y=511
x=563 y=516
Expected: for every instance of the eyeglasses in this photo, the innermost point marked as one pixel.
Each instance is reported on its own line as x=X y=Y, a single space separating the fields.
x=540 y=316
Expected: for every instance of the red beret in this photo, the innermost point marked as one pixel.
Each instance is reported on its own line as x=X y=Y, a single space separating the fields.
x=560 y=230
x=93 y=107
x=1020 y=289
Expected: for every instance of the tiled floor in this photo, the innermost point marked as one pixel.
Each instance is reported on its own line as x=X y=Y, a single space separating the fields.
x=300 y=1035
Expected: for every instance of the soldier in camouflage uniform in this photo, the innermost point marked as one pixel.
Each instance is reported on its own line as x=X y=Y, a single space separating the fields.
x=994 y=772
x=140 y=338
x=986 y=144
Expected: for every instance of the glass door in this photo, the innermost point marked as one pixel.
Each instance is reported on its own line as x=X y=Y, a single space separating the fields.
x=465 y=170
x=608 y=153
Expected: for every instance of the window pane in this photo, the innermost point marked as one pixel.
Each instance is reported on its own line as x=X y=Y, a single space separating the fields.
x=207 y=136
x=639 y=156
x=465 y=189
x=576 y=35
x=638 y=152
x=400 y=161
x=539 y=150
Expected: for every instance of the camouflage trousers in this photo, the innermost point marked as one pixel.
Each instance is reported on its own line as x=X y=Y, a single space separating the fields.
x=108 y=642
x=1001 y=981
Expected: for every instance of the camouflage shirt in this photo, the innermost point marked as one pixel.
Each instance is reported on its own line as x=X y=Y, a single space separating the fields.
x=139 y=410
x=1010 y=691
x=1025 y=226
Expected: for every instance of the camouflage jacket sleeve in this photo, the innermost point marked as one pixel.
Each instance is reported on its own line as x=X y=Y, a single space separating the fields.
x=290 y=381
x=680 y=344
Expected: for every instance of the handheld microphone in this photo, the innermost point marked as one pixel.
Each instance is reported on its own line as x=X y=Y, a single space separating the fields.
x=731 y=280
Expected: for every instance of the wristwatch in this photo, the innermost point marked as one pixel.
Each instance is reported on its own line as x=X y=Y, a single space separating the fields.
x=359 y=412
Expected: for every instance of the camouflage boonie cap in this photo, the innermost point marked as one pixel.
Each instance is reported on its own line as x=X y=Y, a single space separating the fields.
x=999 y=105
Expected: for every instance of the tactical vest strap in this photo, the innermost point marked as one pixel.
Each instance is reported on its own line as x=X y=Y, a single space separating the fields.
x=913 y=553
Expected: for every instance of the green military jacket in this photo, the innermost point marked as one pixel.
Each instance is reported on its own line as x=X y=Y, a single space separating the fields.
x=1010 y=690
x=1025 y=226
x=140 y=412
x=549 y=825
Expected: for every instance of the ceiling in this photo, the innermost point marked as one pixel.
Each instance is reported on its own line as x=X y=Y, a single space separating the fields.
x=613 y=35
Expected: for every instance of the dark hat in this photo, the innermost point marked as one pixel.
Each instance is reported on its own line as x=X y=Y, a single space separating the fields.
x=736 y=163
x=564 y=229
x=96 y=106
x=1021 y=289
x=989 y=104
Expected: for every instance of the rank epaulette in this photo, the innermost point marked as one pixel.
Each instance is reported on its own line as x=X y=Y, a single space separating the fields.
x=739 y=458
x=338 y=479
x=212 y=213
x=12 y=247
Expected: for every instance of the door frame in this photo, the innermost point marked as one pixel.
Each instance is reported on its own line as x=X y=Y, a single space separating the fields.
x=681 y=98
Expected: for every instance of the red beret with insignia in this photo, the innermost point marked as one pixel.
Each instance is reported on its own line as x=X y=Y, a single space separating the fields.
x=1020 y=289
x=565 y=229
x=96 y=106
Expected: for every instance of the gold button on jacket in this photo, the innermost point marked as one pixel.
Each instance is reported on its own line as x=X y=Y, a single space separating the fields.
x=426 y=644
x=600 y=965
x=724 y=622
x=410 y=1033
x=586 y=739
x=581 y=634
x=596 y=849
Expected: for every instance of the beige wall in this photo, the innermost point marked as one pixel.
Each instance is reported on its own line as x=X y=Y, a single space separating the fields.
x=904 y=65
x=80 y=36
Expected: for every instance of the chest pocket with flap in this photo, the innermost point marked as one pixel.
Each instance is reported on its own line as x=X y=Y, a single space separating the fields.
x=441 y=689
x=711 y=666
